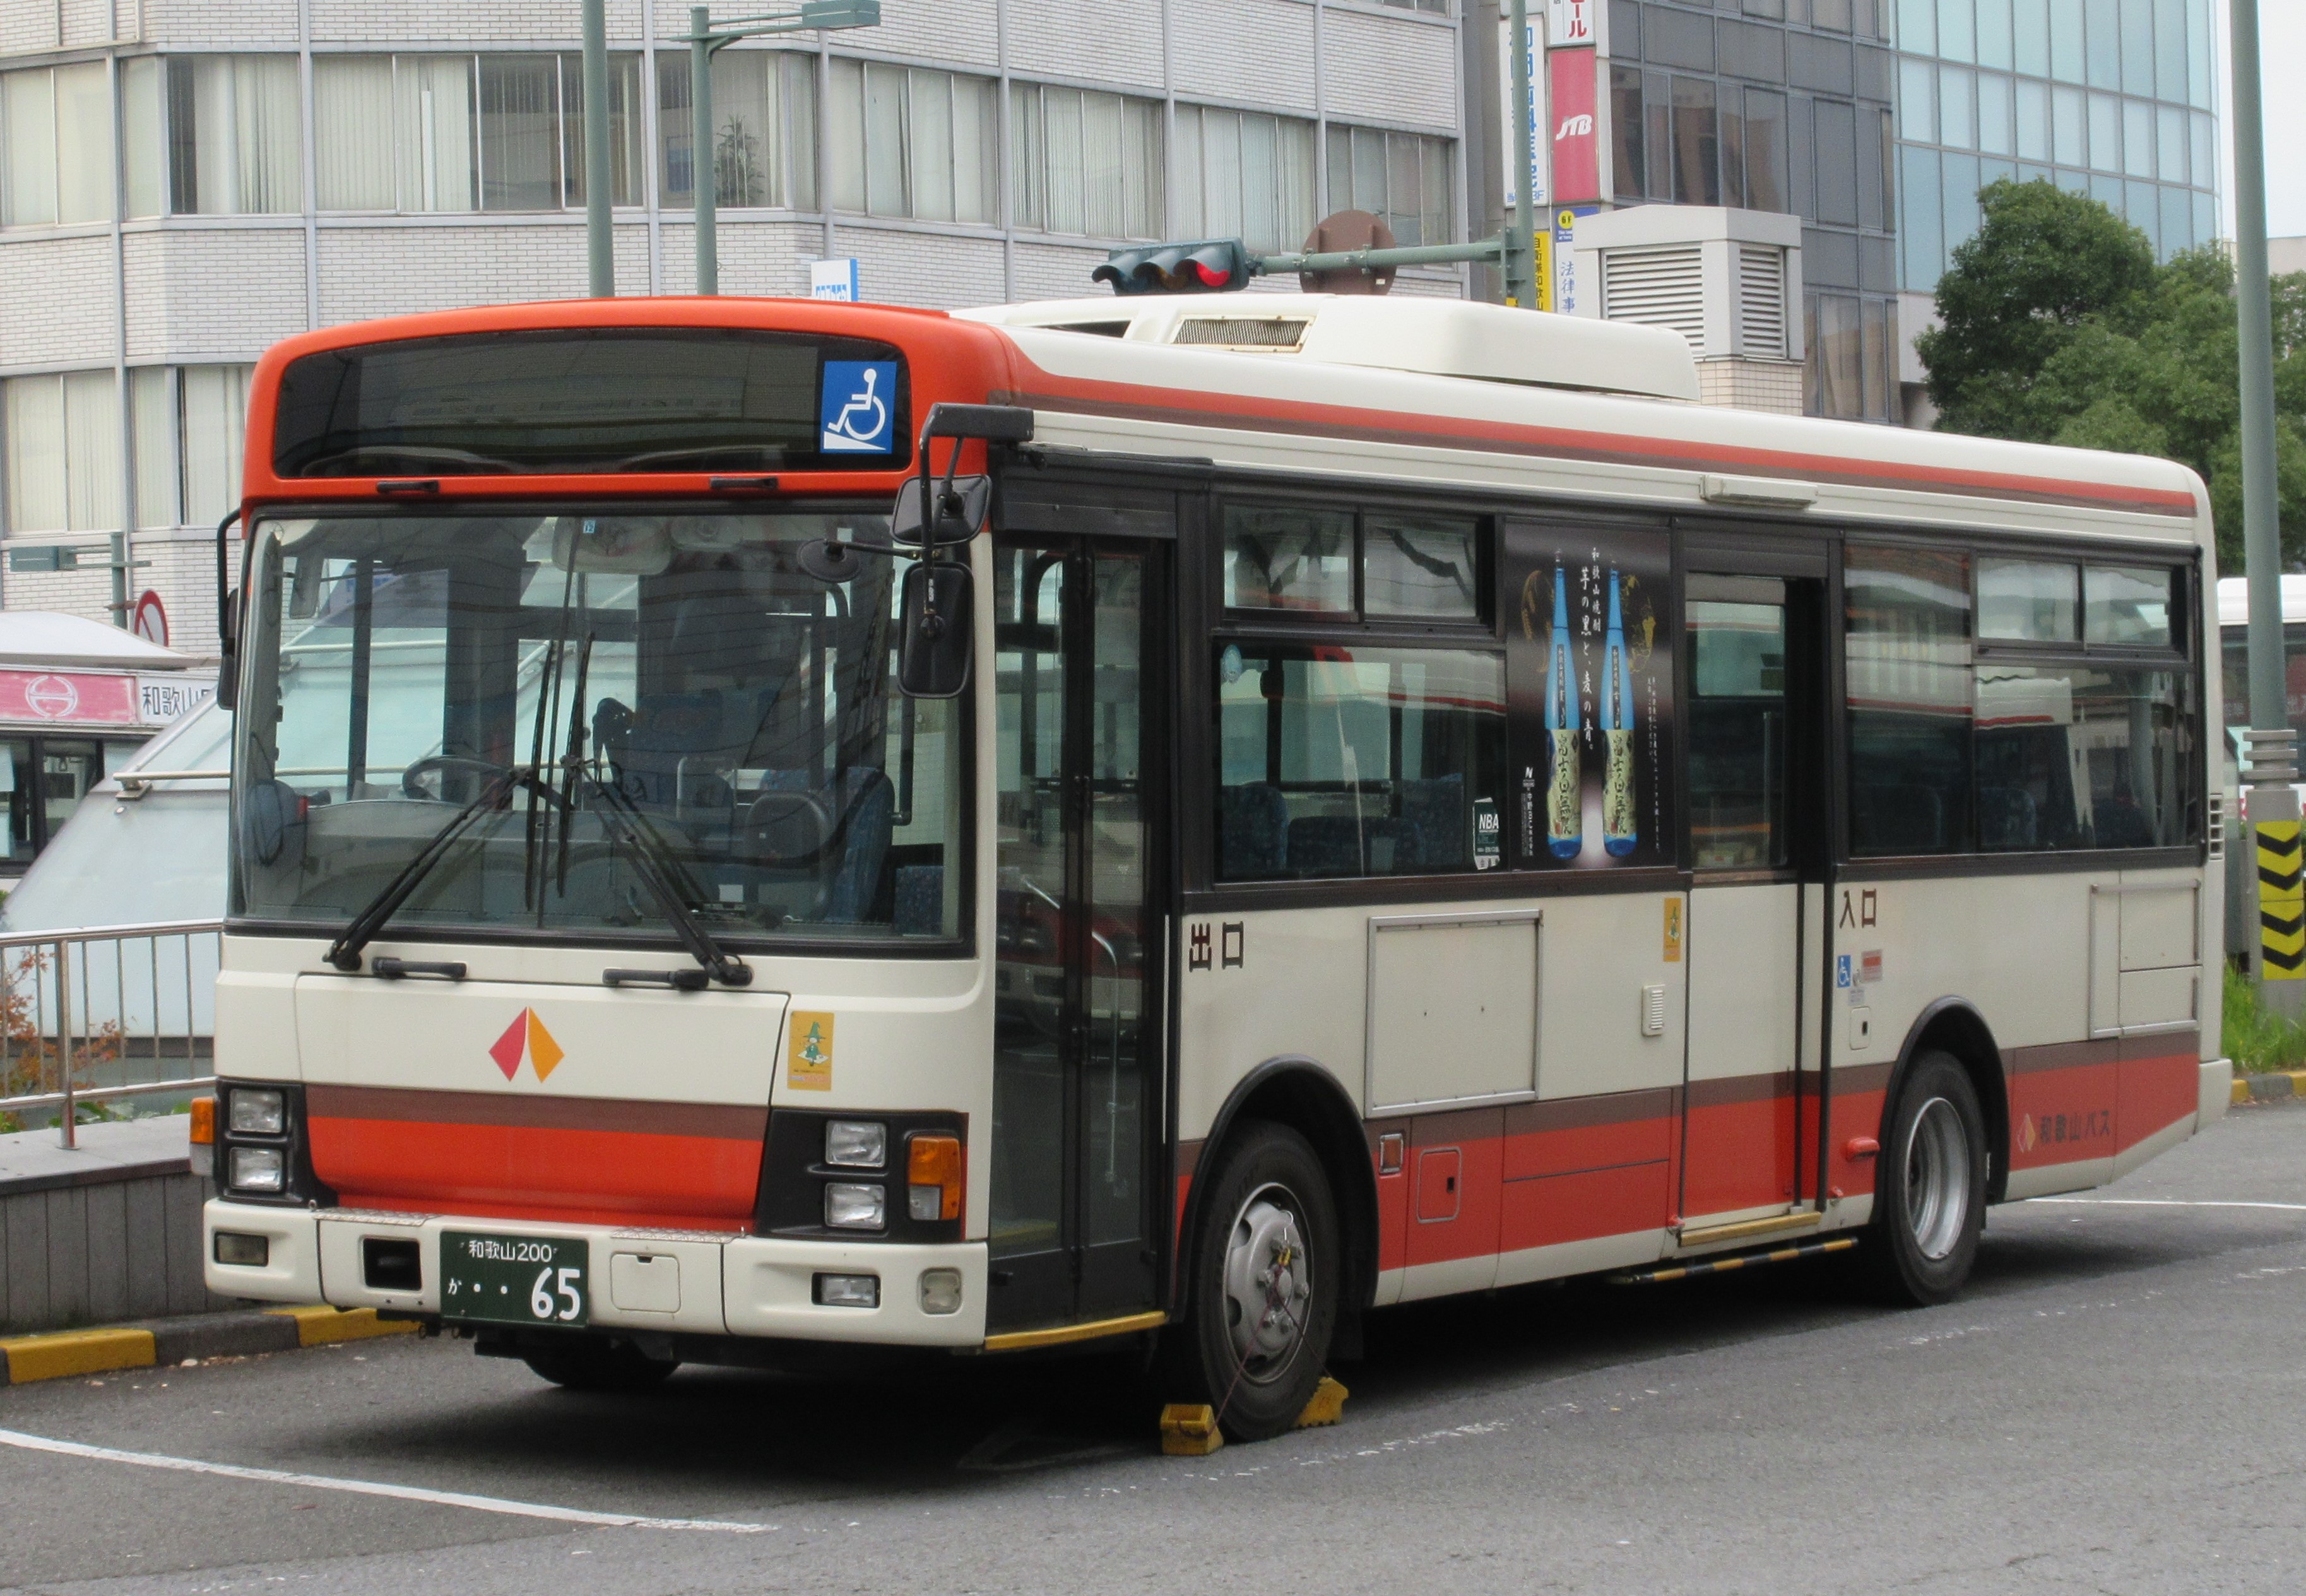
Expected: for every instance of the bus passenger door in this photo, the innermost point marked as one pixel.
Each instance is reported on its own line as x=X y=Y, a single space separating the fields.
x=1756 y=720
x=1077 y=979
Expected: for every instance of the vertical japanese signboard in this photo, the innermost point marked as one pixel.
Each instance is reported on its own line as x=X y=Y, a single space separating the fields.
x=1571 y=96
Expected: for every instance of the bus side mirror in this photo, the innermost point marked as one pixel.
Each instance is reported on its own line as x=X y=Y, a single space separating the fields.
x=228 y=647
x=938 y=618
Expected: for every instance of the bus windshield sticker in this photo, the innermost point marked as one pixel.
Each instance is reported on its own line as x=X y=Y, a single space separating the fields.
x=808 y=1057
x=854 y=409
x=1592 y=659
x=1489 y=840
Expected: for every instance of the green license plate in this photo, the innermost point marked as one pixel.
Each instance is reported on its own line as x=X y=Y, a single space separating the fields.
x=515 y=1280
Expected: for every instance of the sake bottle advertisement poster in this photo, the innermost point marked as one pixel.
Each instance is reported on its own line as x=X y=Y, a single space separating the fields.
x=1591 y=674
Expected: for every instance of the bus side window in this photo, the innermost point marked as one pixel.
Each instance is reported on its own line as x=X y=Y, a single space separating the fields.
x=1908 y=613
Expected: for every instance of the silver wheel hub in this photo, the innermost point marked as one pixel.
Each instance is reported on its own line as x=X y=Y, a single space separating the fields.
x=1269 y=1283
x=1937 y=1179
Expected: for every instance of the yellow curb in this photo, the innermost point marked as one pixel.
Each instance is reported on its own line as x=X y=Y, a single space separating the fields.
x=320 y=1325
x=2240 y=1091
x=75 y=1351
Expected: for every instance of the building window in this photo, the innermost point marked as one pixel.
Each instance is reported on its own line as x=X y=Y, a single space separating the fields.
x=230 y=136
x=1402 y=179
x=62 y=452
x=764 y=130
x=903 y=141
x=55 y=146
x=1241 y=174
x=434 y=134
x=1086 y=163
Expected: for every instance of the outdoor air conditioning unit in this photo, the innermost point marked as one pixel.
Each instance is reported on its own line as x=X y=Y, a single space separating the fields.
x=1728 y=281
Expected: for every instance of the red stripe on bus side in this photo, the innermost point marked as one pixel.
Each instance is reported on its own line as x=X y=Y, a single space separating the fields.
x=1135 y=402
x=527 y=1172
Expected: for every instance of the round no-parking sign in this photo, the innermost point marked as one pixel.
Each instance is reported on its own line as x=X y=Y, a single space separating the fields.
x=149 y=620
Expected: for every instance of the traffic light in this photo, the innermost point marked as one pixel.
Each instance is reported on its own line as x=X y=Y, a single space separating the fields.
x=1205 y=266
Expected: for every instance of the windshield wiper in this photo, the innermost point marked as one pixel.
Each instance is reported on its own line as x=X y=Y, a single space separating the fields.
x=664 y=878
x=345 y=952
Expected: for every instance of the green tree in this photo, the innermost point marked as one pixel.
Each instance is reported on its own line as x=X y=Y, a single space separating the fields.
x=2106 y=350
x=2041 y=262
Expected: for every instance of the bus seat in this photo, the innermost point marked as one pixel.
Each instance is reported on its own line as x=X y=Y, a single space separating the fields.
x=1436 y=805
x=1332 y=845
x=867 y=819
x=1252 y=831
x=2006 y=819
x=920 y=900
x=1896 y=817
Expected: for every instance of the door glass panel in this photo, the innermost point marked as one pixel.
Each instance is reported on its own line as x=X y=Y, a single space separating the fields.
x=68 y=770
x=1738 y=727
x=1028 y=963
x=23 y=791
x=1114 y=1075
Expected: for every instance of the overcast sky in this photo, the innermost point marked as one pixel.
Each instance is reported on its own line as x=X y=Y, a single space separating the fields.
x=2282 y=45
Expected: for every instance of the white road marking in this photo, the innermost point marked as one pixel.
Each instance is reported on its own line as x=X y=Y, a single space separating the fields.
x=2165 y=1202
x=369 y=1488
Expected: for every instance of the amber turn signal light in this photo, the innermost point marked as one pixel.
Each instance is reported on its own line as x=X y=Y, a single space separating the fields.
x=934 y=1175
x=203 y=1121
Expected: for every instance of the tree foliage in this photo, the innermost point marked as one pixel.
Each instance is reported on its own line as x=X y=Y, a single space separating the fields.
x=2058 y=328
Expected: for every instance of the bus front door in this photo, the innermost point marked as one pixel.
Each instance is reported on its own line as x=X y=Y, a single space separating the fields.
x=1755 y=721
x=1077 y=962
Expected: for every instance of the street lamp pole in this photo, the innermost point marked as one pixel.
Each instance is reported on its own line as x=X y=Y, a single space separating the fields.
x=704 y=41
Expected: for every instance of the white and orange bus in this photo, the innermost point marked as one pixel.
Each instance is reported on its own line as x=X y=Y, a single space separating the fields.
x=760 y=823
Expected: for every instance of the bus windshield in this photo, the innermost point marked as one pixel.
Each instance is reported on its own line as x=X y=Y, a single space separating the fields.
x=633 y=694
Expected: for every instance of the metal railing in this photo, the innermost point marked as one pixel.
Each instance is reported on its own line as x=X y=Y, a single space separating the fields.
x=106 y=1013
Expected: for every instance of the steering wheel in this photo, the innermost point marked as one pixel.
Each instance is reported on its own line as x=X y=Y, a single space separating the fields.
x=443 y=763
x=787 y=828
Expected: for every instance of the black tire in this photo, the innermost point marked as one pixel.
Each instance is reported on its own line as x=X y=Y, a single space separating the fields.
x=590 y=1365
x=1268 y=1212
x=1929 y=1188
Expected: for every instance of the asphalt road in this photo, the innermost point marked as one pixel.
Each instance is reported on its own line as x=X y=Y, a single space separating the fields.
x=2118 y=1405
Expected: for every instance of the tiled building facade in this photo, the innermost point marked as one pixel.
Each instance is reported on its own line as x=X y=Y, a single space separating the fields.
x=183 y=182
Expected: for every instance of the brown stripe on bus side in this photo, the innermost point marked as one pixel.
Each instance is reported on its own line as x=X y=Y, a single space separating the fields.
x=721 y=1122
x=2167 y=1043
x=1922 y=479
x=1850 y=1078
x=1742 y=1089
x=2061 y=1055
x=1585 y=1114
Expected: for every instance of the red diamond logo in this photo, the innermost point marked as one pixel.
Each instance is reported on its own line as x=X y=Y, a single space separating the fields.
x=509 y=1047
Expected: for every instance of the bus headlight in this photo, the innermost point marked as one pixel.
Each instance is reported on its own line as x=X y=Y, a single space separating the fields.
x=257 y=1169
x=856 y=1206
x=258 y=1113
x=856 y=1144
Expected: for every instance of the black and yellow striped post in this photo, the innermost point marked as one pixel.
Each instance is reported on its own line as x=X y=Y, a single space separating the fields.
x=2281 y=901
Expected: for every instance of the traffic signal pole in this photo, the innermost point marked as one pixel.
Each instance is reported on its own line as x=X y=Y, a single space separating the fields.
x=600 y=246
x=1521 y=236
x=2280 y=965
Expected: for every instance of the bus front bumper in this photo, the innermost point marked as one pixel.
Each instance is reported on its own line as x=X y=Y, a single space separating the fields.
x=714 y=1286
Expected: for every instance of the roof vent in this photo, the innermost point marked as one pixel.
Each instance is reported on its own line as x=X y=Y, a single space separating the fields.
x=1760 y=302
x=1243 y=332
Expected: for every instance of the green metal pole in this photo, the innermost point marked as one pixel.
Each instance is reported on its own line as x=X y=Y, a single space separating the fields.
x=2261 y=518
x=702 y=176
x=600 y=244
x=1521 y=249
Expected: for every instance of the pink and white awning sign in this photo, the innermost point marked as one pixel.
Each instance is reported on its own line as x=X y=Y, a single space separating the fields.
x=69 y=697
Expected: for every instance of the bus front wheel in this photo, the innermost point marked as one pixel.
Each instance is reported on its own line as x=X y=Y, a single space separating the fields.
x=1929 y=1192
x=1262 y=1303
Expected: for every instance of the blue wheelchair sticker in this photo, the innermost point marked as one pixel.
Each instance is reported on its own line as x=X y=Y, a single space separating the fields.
x=855 y=411
x=1842 y=970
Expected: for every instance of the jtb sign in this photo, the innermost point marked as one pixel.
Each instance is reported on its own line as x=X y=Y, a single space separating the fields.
x=1576 y=148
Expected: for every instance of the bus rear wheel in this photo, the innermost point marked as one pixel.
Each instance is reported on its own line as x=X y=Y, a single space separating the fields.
x=1929 y=1192
x=589 y=1365
x=1261 y=1304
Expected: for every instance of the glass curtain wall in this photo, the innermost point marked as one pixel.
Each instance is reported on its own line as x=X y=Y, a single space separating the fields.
x=1784 y=106
x=2113 y=99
